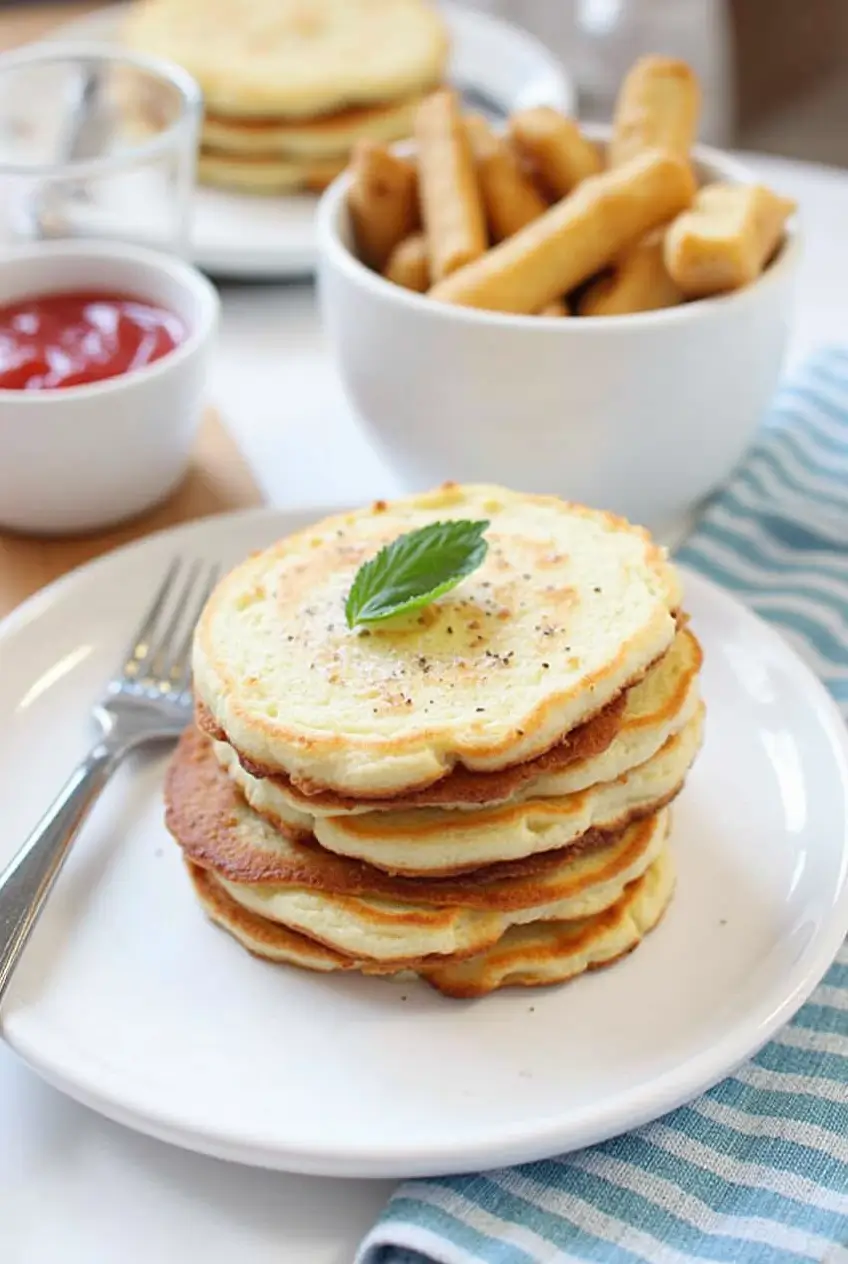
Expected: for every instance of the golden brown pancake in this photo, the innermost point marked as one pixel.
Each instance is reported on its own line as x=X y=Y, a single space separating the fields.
x=553 y=952
x=260 y=125
x=436 y=842
x=297 y=58
x=270 y=940
x=388 y=930
x=313 y=896
x=568 y=608
x=462 y=785
x=643 y=717
x=528 y=956
x=326 y=135
x=214 y=827
x=267 y=174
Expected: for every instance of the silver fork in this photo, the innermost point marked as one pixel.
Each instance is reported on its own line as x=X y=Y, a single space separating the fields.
x=147 y=700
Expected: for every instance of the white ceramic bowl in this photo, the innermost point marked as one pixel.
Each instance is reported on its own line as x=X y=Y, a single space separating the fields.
x=643 y=414
x=76 y=459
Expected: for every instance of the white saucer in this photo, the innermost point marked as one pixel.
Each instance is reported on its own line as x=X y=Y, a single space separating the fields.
x=128 y=1000
x=272 y=237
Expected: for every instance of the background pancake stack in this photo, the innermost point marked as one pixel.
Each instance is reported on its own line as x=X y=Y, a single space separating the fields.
x=291 y=85
x=475 y=792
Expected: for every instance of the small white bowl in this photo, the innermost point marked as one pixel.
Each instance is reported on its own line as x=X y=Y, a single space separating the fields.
x=643 y=414
x=79 y=458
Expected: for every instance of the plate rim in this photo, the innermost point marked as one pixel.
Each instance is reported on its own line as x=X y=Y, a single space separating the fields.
x=592 y=1124
x=301 y=260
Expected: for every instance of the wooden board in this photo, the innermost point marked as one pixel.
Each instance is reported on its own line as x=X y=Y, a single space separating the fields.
x=24 y=22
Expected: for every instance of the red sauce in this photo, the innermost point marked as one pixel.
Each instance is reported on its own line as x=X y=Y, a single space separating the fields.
x=58 y=340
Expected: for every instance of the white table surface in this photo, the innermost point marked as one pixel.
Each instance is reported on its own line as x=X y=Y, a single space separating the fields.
x=77 y=1189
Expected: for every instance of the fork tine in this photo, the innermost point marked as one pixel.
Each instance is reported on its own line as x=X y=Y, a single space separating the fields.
x=138 y=652
x=160 y=657
x=180 y=664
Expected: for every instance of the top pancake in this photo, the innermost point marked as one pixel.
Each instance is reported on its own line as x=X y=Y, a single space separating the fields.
x=626 y=733
x=570 y=607
x=295 y=58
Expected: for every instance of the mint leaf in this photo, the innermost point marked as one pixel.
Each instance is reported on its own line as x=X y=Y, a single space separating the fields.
x=415 y=569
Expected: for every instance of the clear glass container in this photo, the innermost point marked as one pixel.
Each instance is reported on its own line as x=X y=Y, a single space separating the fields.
x=598 y=41
x=611 y=34
x=96 y=144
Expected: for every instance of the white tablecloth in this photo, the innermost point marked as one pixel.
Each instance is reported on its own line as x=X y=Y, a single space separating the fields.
x=76 y=1189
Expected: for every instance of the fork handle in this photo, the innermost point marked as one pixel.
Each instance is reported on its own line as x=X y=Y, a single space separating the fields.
x=29 y=876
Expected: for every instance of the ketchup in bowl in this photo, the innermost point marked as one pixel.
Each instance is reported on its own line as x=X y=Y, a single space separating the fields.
x=60 y=340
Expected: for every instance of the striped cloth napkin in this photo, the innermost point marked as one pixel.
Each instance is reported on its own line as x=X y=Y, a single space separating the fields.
x=756 y=1170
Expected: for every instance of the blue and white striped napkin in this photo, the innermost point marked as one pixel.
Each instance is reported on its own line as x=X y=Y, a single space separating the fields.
x=756 y=1170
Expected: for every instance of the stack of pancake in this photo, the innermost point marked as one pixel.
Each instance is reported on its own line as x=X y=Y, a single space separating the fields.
x=291 y=85
x=475 y=792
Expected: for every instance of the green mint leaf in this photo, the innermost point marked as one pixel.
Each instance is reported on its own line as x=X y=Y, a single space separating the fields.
x=415 y=569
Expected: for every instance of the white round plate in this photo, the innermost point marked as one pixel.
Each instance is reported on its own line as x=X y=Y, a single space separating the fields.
x=130 y=1001
x=266 y=238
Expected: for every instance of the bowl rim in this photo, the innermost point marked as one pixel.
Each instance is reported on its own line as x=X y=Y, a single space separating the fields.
x=177 y=270
x=723 y=167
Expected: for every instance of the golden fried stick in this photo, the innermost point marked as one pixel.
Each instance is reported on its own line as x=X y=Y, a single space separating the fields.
x=382 y=201
x=726 y=239
x=639 y=282
x=556 y=307
x=451 y=202
x=574 y=239
x=657 y=108
x=409 y=265
x=510 y=198
x=554 y=148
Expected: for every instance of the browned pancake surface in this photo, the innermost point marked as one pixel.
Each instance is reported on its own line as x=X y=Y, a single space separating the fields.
x=271 y=941
x=462 y=785
x=206 y=815
x=516 y=962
